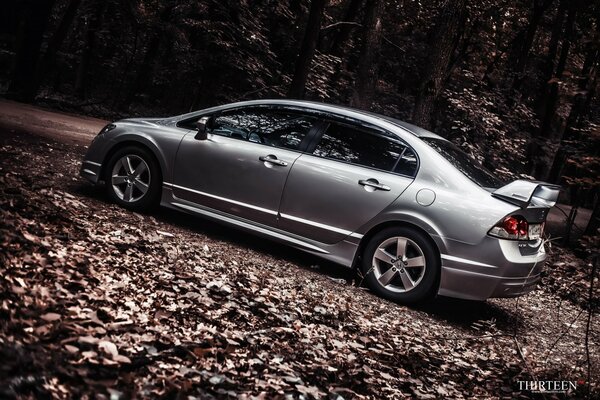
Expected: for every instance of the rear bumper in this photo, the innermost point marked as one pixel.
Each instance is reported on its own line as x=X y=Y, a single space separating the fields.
x=496 y=268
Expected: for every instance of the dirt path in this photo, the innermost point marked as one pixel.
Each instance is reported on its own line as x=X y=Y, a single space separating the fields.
x=66 y=128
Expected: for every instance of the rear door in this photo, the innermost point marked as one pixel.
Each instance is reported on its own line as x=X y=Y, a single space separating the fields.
x=242 y=167
x=352 y=174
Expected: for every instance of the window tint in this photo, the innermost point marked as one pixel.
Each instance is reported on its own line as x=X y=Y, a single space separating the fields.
x=465 y=164
x=407 y=164
x=271 y=128
x=341 y=142
x=286 y=130
x=188 y=123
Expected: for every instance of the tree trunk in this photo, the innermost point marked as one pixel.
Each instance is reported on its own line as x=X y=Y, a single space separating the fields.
x=586 y=83
x=366 y=76
x=307 y=49
x=524 y=41
x=460 y=53
x=558 y=164
x=446 y=30
x=491 y=68
x=46 y=62
x=594 y=224
x=546 y=128
x=93 y=23
x=29 y=42
x=557 y=29
x=542 y=163
x=145 y=72
x=146 y=69
x=342 y=34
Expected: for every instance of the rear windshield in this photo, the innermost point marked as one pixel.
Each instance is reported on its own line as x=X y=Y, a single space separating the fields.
x=465 y=164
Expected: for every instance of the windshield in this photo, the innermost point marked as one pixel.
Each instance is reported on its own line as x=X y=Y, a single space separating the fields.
x=465 y=164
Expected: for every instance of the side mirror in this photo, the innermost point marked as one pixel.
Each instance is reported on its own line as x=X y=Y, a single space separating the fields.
x=203 y=125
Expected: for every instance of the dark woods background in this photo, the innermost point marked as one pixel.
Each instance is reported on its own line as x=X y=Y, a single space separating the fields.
x=514 y=82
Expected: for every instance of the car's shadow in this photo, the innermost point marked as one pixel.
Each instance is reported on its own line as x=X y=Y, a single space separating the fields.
x=479 y=316
x=464 y=314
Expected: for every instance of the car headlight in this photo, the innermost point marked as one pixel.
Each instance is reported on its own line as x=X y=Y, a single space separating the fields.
x=106 y=129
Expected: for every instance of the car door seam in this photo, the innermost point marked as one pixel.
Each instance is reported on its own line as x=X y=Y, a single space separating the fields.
x=284 y=186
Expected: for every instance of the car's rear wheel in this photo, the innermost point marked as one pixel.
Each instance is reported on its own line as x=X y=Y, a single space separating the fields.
x=401 y=264
x=133 y=179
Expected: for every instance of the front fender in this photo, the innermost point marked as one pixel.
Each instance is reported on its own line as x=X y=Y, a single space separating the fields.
x=162 y=143
x=146 y=141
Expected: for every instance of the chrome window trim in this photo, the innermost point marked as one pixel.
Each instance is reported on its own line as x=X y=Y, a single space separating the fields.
x=309 y=135
x=412 y=178
x=325 y=117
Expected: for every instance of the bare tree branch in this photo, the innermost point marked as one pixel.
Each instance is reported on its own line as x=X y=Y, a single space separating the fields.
x=340 y=23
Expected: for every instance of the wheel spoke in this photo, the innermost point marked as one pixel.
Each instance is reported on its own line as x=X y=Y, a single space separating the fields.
x=141 y=185
x=140 y=169
x=407 y=281
x=384 y=256
x=387 y=276
x=119 y=180
x=401 y=247
x=415 y=262
x=126 y=162
x=128 y=195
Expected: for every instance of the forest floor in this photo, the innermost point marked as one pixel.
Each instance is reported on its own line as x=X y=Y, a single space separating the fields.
x=96 y=300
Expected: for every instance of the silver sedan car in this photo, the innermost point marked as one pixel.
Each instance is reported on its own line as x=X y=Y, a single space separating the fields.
x=410 y=210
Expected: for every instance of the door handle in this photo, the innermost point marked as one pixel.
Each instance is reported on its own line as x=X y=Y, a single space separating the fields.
x=273 y=160
x=374 y=183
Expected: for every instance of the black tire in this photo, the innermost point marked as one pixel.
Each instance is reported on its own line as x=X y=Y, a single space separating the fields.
x=418 y=243
x=148 y=200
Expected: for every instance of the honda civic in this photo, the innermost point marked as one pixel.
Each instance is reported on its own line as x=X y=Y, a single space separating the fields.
x=412 y=212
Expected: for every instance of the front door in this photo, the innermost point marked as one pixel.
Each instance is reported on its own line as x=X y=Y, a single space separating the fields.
x=242 y=167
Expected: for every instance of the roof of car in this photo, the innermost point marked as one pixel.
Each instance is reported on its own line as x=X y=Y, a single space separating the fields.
x=413 y=129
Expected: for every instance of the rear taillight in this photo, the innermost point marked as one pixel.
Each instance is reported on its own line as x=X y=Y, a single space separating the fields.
x=512 y=227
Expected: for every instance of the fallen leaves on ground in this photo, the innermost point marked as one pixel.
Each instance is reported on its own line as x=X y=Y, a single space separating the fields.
x=98 y=300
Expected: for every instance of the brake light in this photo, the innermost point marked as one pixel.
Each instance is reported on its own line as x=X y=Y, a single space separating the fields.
x=512 y=227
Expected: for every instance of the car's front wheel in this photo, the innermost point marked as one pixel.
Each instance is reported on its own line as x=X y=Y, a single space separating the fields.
x=133 y=179
x=401 y=264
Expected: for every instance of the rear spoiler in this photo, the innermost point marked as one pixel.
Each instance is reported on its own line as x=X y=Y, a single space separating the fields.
x=522 y=193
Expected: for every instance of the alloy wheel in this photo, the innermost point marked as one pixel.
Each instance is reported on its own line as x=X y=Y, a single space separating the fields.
x=399 y=264
x=130 y=178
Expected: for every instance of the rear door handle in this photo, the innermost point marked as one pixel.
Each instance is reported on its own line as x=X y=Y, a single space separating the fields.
x=374 y=183
x=273 y=160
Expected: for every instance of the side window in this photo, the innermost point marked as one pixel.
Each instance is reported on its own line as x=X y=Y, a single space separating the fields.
x=283 y=129
x=351 y=145
x=407 y=164
x=237 y=124
x=188 y=123
x=271 y=128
